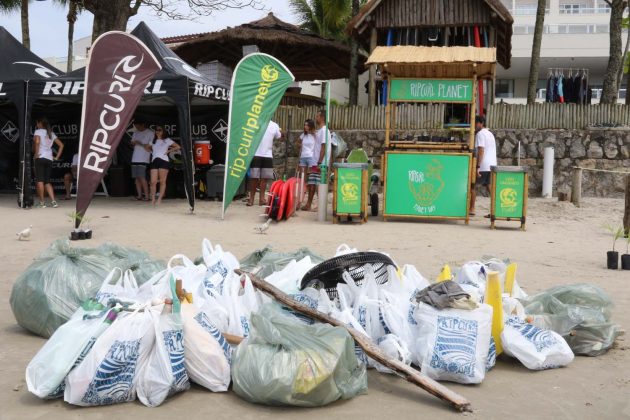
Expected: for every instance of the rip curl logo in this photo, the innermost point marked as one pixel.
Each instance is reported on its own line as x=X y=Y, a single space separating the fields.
x=113 y=379
x=455 y=346
x=304 y=300
x=492 y=355
x=184 y=65
x=39 y=69
x=269 y=73
x=426 y=186
x=205 y=323
x=174 y=342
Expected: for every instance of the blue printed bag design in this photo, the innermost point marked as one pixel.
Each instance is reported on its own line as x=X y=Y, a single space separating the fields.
x=455 y=345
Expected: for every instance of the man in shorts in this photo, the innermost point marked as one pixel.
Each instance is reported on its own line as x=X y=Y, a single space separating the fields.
x=261 y=168
x=486 y=146
x=141 y=141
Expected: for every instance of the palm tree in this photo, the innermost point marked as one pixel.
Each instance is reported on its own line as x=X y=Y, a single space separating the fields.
x=326 y=18
x=535 y=63
x=354 y=60
x=611 y=87
x=74 y=8
x=10 y=6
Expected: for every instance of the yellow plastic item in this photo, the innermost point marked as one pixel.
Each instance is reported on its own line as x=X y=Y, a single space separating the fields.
x=445 y=274
x=510 y=276
x=493 y=298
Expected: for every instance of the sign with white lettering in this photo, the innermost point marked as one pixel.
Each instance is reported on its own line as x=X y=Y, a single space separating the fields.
x=431 y=90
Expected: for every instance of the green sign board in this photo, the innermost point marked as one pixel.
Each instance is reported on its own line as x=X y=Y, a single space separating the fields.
x=509 y=195
x=431 y=90
x=349 y=188
x=427 y=185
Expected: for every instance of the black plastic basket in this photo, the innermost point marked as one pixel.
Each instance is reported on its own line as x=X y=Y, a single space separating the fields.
x=329 y=273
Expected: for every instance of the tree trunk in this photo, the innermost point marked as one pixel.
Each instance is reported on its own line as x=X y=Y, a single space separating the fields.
x=110 y=15
x=623 y=60
x=628 y=89
x=611 y=88
x=535 y=63
x=354 y=59
x=26 y=38
x=72 y=18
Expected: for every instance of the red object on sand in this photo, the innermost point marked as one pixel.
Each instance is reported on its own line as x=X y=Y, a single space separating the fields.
x=284 y=198
x=290 y=208
x=273 y=193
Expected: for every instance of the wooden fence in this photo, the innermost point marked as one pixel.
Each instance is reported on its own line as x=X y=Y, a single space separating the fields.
x=431 y=116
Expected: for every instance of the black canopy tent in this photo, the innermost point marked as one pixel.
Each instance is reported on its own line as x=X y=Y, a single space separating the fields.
x=177 y=84
x=18 y=66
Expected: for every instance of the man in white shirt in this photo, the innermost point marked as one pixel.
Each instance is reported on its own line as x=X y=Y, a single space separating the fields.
x=486 y=158
x=319 y=152
x=261 y=168
x=141 y=141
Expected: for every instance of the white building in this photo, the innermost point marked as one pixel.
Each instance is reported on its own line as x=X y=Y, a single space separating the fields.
x=576 y=36
x=80 y=52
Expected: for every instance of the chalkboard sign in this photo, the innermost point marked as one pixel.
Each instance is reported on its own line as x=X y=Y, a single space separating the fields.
x=431 y=90
x=430 y=185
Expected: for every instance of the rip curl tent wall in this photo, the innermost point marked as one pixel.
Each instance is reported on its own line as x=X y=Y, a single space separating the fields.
x=177 y=84
x=17 y=66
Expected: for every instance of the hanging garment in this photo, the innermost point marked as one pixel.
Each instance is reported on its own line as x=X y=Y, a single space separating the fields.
x=560 y=83
x=549 y=92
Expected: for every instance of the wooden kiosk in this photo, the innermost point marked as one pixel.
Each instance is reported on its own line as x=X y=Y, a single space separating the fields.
x=430 y=177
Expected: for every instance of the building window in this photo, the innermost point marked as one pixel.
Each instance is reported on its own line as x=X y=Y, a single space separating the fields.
x=504 y=88
x=570 y=9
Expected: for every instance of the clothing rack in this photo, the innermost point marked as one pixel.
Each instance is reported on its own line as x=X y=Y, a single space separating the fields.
x=568 y=73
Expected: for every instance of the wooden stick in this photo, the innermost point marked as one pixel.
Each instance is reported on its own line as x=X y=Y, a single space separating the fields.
x=576 y=187
x=407 y=372
x=626 y=213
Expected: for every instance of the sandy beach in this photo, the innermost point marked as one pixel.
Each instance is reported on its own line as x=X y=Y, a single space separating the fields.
x=563 y=244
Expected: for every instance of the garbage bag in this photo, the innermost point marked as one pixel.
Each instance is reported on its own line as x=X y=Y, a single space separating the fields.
x=207 y=354
x=266 y=261
x=66 y=348
x=581 y=313
x=53 y=287
x=453 y=344
x=164 y=373
x=535 y=348
x=285 y=362
x=108 y=374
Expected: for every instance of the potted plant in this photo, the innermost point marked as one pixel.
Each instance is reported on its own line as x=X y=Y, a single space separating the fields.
x=613 y=256
x=88 y=229
x=625 y=258
x=75 y=234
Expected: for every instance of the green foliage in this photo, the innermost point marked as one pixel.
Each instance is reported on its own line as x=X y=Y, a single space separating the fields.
x=327 y=18
x=616 y=231
x=9 y=6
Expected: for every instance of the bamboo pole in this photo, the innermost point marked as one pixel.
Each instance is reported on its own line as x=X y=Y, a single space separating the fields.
x=407 y=372
x=576 y=187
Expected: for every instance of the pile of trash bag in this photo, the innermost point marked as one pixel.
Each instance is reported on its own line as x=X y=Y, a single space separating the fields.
x=148 y=340
x=62 y=277
x=581 y=313
x=266 y=261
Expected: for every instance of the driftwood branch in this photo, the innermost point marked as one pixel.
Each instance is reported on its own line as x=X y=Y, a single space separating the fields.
x=407 y=372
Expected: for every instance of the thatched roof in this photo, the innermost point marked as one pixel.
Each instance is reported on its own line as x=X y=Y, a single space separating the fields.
x=435 y=62
x=436 y=13
x=308 y=56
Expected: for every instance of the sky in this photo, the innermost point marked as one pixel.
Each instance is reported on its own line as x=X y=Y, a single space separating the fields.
x=48 y=25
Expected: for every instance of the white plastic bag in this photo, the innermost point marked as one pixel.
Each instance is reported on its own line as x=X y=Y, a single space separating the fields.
x=217 y=260
x=454 y=343
x=207 y=354
x=535 y=348
x=240 y=299
x=473 y=274
x=164 y=374
x=395 y=348
x=66 y=348
x=289 y=278
x=107 y=375
x=125 y=287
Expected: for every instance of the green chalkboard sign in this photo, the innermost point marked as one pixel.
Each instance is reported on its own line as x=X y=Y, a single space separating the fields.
x=431 y=90
x=427 y=184
x=349 y=187
x=509 y=195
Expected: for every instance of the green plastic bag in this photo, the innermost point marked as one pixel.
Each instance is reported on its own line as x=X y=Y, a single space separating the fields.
x=53 y=287
x=286 y=362
x=266 y=261
x=581 y=313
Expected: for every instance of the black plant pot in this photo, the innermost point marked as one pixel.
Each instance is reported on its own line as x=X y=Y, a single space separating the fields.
x=612 y=260
x=88 y=234
x=81 y=234
x=74 y=235
x=625 y=262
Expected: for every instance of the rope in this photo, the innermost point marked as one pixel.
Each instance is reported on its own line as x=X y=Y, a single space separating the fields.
x=602 y=170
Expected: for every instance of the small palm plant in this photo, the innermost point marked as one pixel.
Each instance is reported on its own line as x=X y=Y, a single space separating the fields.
x=613 y=256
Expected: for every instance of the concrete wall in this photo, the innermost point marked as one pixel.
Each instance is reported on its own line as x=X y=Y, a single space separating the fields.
x=598 y=149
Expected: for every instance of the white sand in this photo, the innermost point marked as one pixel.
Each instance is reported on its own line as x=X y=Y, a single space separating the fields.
x=563 y=244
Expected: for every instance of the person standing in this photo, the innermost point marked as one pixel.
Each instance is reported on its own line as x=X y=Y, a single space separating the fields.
x=141 y=142
x=43 y=140
x=261 y=169
x=71 y=176
x=322 y=135
x=486 y=146
x=160 y=148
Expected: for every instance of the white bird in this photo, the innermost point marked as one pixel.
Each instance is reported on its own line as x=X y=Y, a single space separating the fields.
x=263 y=228
x=25 y=234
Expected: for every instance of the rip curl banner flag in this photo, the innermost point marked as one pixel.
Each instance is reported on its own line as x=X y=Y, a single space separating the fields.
x=119 y=68
x=258 y=84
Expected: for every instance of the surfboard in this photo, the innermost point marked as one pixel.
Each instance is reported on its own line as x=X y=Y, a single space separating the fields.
x=272 y=194
x=290 y=208
x=284 y=198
